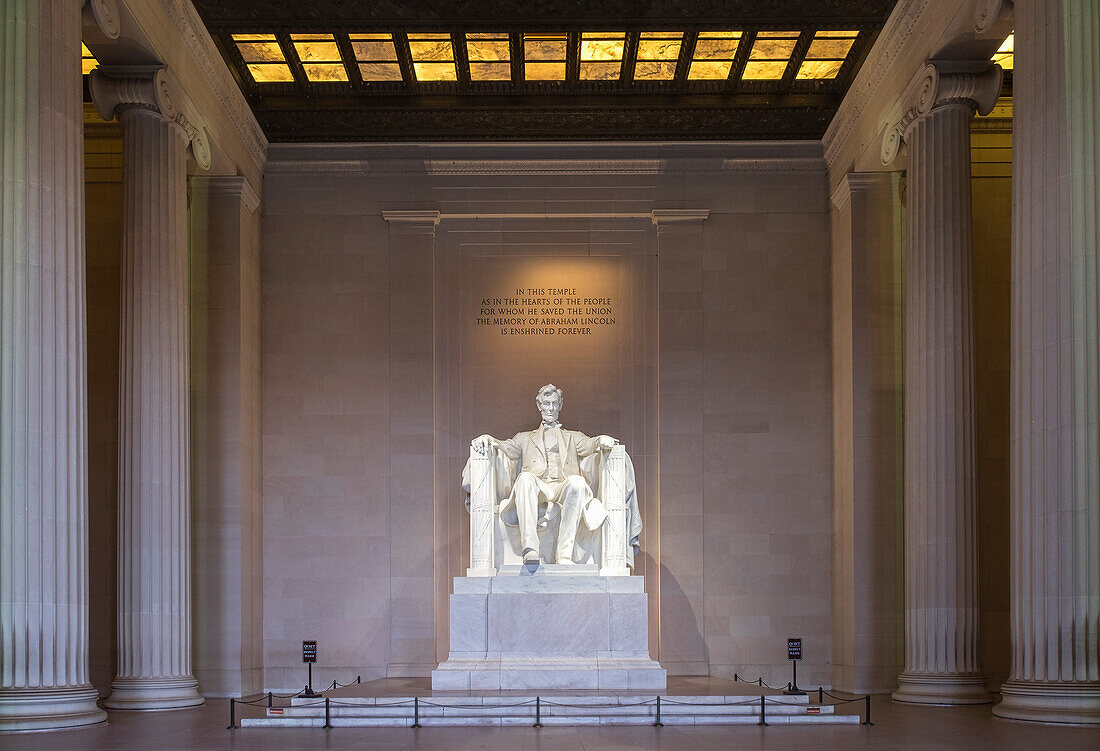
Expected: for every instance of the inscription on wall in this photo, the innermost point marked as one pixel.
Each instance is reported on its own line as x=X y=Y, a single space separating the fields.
x=546 y=311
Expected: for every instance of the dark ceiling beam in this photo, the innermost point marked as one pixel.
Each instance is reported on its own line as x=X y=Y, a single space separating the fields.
x=546 y=15
x=301 y=83
x=347 y=53
x=744 y=49
x=801 y=47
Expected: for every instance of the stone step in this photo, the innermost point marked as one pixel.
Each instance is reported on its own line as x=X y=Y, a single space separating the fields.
x=397 y=711
x=570 y=720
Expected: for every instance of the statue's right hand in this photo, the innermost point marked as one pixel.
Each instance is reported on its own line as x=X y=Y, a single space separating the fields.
x=483 y=443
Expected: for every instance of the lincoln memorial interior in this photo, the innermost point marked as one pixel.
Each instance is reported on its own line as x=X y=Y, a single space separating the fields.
x=813 y=286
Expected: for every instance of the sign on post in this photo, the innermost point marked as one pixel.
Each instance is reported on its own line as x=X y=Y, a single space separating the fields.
x=309 y=651
x=794 y=654
x=794 y=649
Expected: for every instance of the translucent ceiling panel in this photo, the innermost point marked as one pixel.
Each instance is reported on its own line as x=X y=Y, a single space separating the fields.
x=544 y=57
x=490 y=57
x=376 y=56
x=602 y=55
x=320 y=57
x=1004 y=54
x=264 y=58
x=87 y=60
x=433 y=57
x=826 y=54
x=714 y=53
x=770 y=54
x=658 y=52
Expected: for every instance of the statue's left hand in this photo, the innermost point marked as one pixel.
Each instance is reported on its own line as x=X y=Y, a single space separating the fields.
x=606 y=442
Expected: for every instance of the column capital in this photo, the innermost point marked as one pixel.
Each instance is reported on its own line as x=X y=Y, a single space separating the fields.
x=968 y=83
x=103 y=16
x=118 y=88
x=991 y=16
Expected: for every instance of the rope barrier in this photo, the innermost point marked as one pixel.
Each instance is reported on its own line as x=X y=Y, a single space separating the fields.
x=538 y=702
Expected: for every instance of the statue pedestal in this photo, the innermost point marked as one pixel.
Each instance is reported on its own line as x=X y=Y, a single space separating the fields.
x=548 y=627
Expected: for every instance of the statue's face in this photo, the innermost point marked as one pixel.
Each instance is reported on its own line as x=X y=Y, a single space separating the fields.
x=550 y=406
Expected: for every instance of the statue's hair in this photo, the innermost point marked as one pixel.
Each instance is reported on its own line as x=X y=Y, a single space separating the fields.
x=547 y=389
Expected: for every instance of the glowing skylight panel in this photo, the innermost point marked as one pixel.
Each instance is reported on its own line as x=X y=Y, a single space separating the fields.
x=602 y=55
x=376 y=56
x=1003 y=56
x=320 y=57
x=264 y=58
x=544 y=57
x=770 y=54
x=433 y=57
x=87 y=60
x=714 y=53
x=658 y=52
x=826 y=55
x=490 y=57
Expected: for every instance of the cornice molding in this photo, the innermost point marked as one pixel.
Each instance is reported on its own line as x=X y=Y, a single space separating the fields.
x=118 y=88
x=887 y=48
x=665 y=217
x=639 y=158
x=974 y=85
x=188 y=26
x=415 y=217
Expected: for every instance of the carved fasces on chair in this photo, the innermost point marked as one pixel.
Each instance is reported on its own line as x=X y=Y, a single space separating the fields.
x=483 y=503
x=614 y=543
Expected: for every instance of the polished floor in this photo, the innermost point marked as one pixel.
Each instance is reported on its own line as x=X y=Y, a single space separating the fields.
x=905 y=728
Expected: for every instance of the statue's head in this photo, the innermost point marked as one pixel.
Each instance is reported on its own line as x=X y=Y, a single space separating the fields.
x=549 y=401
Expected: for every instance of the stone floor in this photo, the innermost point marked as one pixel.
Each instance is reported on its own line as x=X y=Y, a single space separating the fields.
x=896 y=727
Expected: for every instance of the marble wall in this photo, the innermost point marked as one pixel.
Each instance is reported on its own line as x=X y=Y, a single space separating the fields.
x=371 y=391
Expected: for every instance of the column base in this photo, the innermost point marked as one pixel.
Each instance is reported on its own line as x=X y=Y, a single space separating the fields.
x=153 y=693
x=944 y=689
x=1067 y=702
x=38 y=709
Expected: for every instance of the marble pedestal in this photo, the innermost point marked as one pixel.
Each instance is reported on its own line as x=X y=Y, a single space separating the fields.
x=548 y=627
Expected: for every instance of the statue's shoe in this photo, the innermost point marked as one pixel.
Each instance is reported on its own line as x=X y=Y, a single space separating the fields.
x=530 y=556
x=566 y=562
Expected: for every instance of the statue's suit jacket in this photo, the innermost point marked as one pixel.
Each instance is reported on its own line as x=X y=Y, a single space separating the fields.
x=529 y=448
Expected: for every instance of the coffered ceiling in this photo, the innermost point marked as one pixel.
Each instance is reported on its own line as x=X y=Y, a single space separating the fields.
x=340 y=70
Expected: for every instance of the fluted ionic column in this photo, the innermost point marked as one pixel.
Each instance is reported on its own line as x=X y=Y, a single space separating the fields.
x=941 y=535
x=43 y=374
x=1055 y=433
x=154 y=556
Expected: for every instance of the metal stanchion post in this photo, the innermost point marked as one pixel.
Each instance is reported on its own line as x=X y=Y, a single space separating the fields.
x=269 y=700
x=328 y=721
x=763 y=719
x=232 y=715
x=538 y=712
x=867 y=709
x=416 y=712
x=658 y=723
x=358 y=679
x=820 y=694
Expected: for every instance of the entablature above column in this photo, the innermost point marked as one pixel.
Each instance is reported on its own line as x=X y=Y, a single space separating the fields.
x=152 y=87
x=966 y=83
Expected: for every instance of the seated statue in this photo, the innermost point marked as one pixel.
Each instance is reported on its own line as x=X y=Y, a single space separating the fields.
x=549 y=478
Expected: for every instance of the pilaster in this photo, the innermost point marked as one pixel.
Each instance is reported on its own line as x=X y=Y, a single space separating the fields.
x=1055 y=415
x=868 y=391
x=412 y=236
x=44 y=682
x=680 y=420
